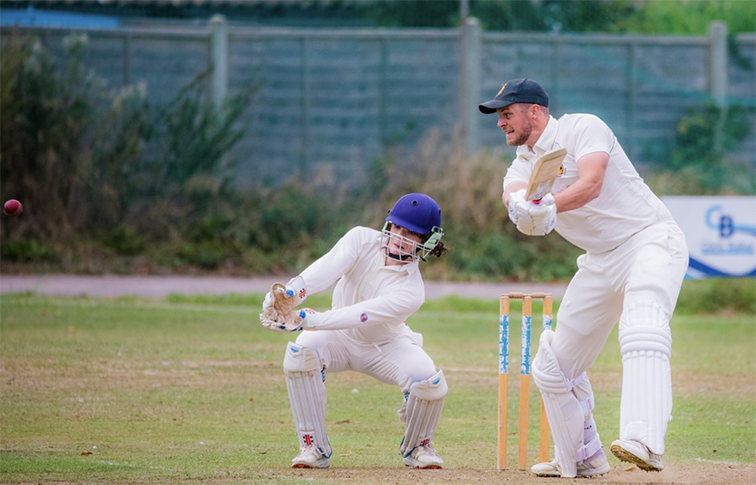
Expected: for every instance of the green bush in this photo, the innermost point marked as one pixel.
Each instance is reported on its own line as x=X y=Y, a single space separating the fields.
x=717 y=295
x=489 y=256
x=27 y=251
x=106 y=173
x=684 y=17
x=681 y=17
x=697 y=163
x=92 y=163
x=124 y=241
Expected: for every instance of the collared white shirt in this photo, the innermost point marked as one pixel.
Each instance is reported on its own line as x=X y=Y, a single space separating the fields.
x=626 y=204
x=371 y=301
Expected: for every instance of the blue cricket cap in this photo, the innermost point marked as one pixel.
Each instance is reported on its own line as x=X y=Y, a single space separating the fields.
x=521 y=90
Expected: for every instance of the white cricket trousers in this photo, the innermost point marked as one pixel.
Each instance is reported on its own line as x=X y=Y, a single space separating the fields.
x=400 y=361
x=650 y=265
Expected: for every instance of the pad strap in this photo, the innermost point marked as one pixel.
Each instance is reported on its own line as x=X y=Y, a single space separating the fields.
x=591 y=439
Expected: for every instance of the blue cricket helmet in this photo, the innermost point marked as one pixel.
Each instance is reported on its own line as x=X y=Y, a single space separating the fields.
x=416 y=212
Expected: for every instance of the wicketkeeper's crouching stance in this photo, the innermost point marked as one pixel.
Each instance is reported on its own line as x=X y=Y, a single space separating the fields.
x=379 y=287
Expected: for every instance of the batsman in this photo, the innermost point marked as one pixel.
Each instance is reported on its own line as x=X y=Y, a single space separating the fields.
x=631 y=272
x=378 y=286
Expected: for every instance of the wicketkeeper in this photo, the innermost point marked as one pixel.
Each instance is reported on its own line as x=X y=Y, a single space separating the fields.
x=634 y=263
x=379 y=287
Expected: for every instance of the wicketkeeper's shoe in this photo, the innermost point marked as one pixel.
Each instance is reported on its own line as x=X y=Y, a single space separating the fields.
x=593 y=467
x=635 y=452
x=310 y=457
x=424 y=457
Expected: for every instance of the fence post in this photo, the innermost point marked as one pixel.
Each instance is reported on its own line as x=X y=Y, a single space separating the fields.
x=219 y=58
x=718 y=62
x=470 y=83
x=718 y=75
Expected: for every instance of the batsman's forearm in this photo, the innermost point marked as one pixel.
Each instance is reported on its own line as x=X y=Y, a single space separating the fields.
x=512 y=187
x=591 y=171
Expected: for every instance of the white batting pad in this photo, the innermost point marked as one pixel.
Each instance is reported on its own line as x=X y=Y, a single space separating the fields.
x=307 y=396
x=563 y=410
x=646 y=346
x=424 y=405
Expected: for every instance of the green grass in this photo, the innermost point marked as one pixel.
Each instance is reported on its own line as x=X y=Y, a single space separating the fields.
x=191 y=389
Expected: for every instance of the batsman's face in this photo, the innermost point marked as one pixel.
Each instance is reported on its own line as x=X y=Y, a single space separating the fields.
x=515 y=124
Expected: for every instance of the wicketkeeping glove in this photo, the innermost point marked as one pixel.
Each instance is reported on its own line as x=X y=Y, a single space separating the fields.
x=278 y=310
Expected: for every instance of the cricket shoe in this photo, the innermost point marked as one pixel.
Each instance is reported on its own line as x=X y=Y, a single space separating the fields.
x=635 y=452
x=424 y=457
x=594 y=467
x=310 y=457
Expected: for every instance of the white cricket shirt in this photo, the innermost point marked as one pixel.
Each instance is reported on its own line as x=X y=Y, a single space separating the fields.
x=371 y=300
x=626 y=204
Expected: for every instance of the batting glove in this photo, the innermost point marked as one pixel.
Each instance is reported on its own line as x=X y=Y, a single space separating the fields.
x=522 y=210
x=547 y=200
x=517 y=205
x=538 y=226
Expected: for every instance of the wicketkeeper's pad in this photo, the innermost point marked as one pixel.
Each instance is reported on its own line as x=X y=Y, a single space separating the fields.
x=424 y=405
x=307 y=396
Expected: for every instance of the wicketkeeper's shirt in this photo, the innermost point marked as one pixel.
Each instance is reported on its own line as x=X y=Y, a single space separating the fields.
x=371 y=301
x=625 y=206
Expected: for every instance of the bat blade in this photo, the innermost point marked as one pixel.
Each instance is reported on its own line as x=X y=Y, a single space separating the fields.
x=544 y=174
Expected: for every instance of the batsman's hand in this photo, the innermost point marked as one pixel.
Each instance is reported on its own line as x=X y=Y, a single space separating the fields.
x=517 y=205
x=278 y=310
x=541 y=218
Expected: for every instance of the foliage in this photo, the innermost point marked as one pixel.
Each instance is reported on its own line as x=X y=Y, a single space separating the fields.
x=114 y=182
x=414 y=13
x=27 y=251
x=499 y=14
x=698 y=161
x=45 y=118
x=553 y=15
x=682 y=17
x=93 y=162
x=687 y=17
x=503 y=15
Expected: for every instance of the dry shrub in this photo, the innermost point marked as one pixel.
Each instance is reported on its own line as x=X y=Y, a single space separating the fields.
x=467 y=188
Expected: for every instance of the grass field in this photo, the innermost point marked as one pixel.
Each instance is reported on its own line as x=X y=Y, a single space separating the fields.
x=190 y=389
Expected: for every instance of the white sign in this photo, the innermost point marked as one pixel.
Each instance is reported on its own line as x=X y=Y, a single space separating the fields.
x=721 y=234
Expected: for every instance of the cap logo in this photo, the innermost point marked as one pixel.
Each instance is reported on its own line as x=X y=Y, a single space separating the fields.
x=502 y=89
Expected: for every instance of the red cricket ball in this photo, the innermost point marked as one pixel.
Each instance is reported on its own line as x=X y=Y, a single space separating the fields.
x=13 y=207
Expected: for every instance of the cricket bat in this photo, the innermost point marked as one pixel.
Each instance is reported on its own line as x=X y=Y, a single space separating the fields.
x=544 y=174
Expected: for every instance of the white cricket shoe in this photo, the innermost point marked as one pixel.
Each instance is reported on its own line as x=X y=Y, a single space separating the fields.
x=593 y=468
x=635 y=452
x=424 y=457
x=310 y=457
